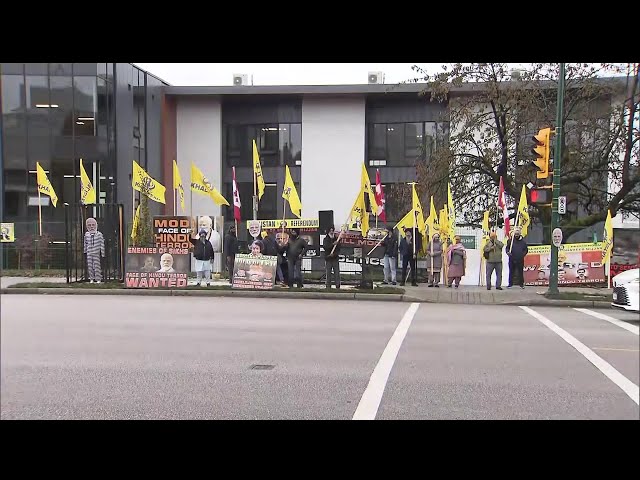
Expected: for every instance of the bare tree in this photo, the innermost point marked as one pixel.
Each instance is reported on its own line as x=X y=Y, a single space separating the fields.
x=493 y=114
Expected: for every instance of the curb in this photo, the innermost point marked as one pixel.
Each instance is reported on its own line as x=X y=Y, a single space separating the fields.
x=382 y=297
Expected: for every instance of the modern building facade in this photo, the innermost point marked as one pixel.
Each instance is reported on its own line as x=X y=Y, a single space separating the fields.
x=110 y=114
x=323 y=133
x=106 y=114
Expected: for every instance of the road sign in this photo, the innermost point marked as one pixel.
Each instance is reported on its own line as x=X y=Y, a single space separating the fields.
x=556 y=237
x=562 y=205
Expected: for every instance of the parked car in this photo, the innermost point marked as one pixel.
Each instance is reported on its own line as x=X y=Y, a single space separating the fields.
x=626 y=290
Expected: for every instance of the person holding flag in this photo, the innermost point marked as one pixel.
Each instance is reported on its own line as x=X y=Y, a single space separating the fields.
x=408 y=249
x=517 y=249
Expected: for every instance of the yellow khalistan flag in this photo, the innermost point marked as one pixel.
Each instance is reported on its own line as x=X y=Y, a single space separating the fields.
x=136 y=220
x=44 y=185
x=432 y=223
x=485 y=231
x=177 y=183
x=145 y=184
x=200 y=184
x=444 y=225
x=87 y=192
x=523 y=213
x=290 y=194
x=607 y=239
x=257 y=171
x=406 y=222
x=417 y=208
x=359 y=214
x=451 y=214
x=365 y=187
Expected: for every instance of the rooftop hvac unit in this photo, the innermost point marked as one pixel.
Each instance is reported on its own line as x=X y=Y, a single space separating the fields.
x=240 y=79
x=376 y=77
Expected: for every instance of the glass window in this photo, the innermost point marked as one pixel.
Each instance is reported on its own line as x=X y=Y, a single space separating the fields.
x=12 y=68
x=413 y=141
x=238 y=148
x=36 y=68
x=377 y=141
x=61 y=106
x=102 y=117
x=430 y=134
x=37 y=91
x=395 y=144
x=13 y=97
x=295 y=145
x=60 y=69
x=85 y=69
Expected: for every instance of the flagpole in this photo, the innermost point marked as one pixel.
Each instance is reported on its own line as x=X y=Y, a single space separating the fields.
x=39 y=212
x=255 y=192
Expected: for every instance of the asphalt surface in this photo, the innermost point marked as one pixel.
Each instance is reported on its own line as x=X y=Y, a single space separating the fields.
x=77 y=357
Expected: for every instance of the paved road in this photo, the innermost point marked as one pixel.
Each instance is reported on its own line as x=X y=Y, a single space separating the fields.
x=89 y=357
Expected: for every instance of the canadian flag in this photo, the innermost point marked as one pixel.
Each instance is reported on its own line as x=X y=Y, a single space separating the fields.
x=503 y=204
x=382 y=213
x=236 y=198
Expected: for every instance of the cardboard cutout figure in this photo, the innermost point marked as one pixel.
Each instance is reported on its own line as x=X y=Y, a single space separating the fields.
x=93 y=249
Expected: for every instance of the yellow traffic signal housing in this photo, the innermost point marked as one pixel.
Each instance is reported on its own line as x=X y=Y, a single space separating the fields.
x=542 y=152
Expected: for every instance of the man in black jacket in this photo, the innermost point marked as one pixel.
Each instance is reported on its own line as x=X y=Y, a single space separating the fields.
x=272 y=248
x=230 y=250
x=390 y=245
x=203 y=253
x=408 y=257
x=295 y=248
x=331 y=245
x=516 y=254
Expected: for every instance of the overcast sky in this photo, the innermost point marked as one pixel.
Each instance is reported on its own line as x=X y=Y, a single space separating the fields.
x=280 y=73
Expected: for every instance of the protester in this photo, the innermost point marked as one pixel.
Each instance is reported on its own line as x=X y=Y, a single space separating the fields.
x=331 y=246
x=516 y=254
x=456 y=261
x=272 y=248
x=408 y=256
x=493 y=255
x=230 y=250
x=390 y=245
x=434 y=254
x=257 y=247
x=295 y=250
x=203 y=253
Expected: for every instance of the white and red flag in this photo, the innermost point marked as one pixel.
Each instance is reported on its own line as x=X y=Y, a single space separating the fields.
x=382 y=212
x=236 y=198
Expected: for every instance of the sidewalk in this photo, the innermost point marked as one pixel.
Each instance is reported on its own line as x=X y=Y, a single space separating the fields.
x=470 y=295
x=475 y=295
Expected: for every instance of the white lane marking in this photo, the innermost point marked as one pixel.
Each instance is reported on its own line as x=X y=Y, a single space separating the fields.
x=370 y=401
x=615 y=321
x=616 y=349
x=627 y=386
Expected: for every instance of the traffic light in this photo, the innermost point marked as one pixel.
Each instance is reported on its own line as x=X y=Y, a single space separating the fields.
x=541 y=196
x=542 y=150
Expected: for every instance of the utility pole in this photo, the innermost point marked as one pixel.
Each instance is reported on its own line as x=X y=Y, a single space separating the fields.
x=557 y=156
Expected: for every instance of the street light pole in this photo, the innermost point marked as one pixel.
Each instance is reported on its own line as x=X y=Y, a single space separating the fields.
x=557 y=156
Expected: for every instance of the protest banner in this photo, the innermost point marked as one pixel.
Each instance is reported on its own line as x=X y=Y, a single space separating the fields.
x=254 y=272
